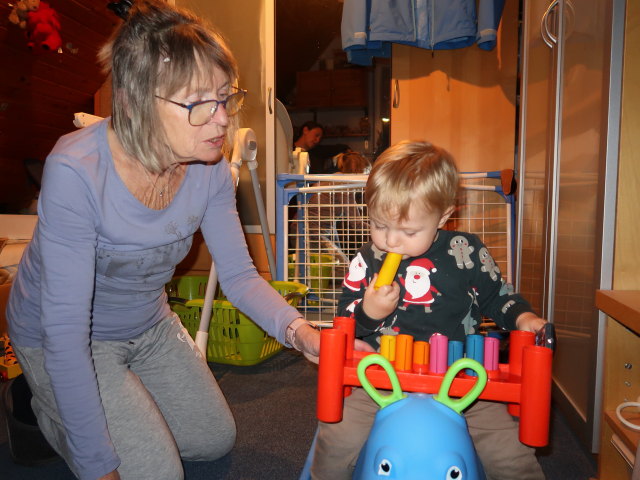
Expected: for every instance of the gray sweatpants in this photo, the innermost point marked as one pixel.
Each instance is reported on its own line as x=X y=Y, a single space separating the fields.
x=161 y=402
x=492 y=429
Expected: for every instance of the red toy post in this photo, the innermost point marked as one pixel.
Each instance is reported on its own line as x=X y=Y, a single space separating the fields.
x=535 y=397
x=333 y=343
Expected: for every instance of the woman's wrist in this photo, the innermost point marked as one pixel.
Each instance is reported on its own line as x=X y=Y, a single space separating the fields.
x=291 y=332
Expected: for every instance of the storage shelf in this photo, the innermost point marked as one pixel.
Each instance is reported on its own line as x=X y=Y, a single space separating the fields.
x=346 y=135
x=631 y=438
x=326 y=108
x=622 y=359
x=623 y=305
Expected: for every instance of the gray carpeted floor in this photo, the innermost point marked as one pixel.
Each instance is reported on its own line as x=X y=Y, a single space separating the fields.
x=274 y=407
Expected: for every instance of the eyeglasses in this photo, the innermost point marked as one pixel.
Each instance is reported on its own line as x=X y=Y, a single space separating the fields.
x=202 y=112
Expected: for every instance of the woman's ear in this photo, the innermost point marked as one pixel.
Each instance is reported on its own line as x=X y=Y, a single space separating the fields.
x=445 y=216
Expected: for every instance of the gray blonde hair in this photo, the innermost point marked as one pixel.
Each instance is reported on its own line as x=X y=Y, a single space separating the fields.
x=410 y=172
x=158 y=50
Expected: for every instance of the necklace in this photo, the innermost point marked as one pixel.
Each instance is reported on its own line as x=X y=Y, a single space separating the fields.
x=154 y=183
x=158 y=197
x=155 y=193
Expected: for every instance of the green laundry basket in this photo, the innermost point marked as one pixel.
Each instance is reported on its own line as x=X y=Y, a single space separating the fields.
x=234 y=338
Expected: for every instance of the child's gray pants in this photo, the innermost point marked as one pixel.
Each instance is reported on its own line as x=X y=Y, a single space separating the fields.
x=493 y=430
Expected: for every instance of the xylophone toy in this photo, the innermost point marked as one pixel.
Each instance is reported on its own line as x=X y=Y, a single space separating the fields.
x=524 y=383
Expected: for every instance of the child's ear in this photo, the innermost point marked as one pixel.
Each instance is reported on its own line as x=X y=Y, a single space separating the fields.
x=445 y=216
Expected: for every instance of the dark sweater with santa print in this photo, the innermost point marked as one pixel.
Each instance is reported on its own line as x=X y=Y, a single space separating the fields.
x=446 y=290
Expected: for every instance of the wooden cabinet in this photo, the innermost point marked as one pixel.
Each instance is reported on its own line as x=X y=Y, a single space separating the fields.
x=621 y=381
x=463 y=100
x=564 y=247
x=255 y=55
x=332 y=88
x=622 y=302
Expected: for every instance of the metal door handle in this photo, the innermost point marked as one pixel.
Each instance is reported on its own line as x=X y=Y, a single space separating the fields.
x=396 y=93
x=549 y=38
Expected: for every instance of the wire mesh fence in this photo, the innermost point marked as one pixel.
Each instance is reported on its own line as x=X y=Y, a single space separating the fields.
x=322 y=221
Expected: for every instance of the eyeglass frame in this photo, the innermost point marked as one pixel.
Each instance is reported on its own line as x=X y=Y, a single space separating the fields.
x=217 y=103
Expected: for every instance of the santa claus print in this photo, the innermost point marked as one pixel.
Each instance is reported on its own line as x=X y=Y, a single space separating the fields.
x=417 y=282
x=351 y=308
x=357 y=276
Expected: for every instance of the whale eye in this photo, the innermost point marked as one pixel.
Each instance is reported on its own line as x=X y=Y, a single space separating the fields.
x=384 y=468
x=454 y=473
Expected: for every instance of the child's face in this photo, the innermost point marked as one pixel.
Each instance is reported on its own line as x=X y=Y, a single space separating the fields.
x=411 y=237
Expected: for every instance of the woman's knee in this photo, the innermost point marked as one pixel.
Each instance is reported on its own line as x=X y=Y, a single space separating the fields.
x=156 y=467
x=211 y=443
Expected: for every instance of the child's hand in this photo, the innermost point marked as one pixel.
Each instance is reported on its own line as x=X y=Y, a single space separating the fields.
x=530 y=322
x=362 y=346
x=381 y=302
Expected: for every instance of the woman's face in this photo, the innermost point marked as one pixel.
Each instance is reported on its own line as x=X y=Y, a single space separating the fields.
x=204 y=142
x=310 y=138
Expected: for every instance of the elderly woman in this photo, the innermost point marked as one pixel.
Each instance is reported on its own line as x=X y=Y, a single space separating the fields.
x=118 y=388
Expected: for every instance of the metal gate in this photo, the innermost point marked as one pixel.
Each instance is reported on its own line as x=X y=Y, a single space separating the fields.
x=322 y=221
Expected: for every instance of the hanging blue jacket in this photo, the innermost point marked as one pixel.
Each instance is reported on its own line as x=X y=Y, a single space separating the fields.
x=370 y=26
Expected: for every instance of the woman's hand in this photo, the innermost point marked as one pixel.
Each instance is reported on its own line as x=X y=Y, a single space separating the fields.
x=530 y=322
x=381 y=302
x=308 y=342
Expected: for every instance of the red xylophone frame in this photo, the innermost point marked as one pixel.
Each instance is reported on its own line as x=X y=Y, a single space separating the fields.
x=524 y=383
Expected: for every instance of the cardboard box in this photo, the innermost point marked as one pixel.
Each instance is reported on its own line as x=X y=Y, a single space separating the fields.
x=9 y=371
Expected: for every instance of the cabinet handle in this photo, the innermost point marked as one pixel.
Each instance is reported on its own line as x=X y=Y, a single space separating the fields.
x=396 y=93
x=549 y=38
x=569 y=15
x=269 y=101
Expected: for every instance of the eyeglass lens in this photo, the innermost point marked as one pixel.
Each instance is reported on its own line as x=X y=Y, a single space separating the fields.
x=202 y=113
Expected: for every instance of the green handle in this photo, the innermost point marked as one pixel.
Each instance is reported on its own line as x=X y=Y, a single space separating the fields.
x=460 y=404
x=382 y=400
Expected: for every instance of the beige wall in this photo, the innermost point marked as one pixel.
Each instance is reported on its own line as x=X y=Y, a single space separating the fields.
x=198 y=261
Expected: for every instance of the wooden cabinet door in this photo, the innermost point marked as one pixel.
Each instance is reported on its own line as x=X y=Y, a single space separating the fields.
x=254 y=53
x=349 y=87
x=462 y=100
x=332 y=88
x=314 y=89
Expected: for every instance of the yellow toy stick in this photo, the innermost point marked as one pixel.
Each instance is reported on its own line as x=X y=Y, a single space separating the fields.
x=389 y=269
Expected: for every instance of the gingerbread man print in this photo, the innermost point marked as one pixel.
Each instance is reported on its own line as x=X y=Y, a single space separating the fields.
x=461 y=251
x=488 y=264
